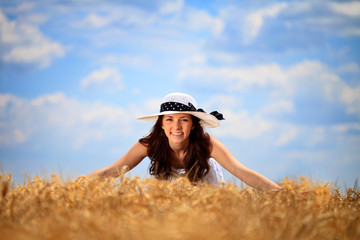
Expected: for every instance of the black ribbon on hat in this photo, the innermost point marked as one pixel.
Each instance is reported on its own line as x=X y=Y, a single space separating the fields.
x=179 y=107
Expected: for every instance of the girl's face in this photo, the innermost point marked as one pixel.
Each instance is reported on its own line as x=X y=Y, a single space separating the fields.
x=177 y=127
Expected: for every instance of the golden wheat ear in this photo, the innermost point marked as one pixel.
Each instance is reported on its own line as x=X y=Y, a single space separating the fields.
x=158 y=209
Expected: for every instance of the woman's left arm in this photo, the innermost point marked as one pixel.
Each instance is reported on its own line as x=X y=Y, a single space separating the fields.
x=223 y=156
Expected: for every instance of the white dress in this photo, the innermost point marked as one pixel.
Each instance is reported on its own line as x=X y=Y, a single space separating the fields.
x=214 y=176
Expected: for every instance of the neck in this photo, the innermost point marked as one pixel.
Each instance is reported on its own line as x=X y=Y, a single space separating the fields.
x=179 y=148
x=178 y=154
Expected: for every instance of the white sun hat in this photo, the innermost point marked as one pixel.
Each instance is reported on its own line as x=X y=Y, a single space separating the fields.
x=184 y=103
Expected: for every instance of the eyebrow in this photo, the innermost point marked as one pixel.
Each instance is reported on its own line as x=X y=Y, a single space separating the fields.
x=180 y=117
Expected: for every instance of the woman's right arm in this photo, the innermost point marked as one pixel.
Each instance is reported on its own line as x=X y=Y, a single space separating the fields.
x=131 y=159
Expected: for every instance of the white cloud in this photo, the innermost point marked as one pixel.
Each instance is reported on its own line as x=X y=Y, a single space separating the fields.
x=236 y=78
x=349 y=68
x=314 y=78
x=346 y=127
x=152 y=105
x=126 y=26
x=221 y=101
x=224 y=57
x=22 y=43
x=284 y=26
x=10 y=131
x=351 y=97
x=317 y=135
x=324 y=17
x=254 y=21
x=278 y=106
x=127 y=60
x=351 y=9
x=116 y=16
x=171 y=17
x=108 y=78
x=26 y=13
x=67 y=120
x=24 y=7
x=100 y=112
x=55 y=98
x=19 y=136
x=307 y=78
x=243 y=126
x=172 y=7
x=187 y=18
x=199 y=20
x=289 y=133
x=96 y=21
x=190 y=61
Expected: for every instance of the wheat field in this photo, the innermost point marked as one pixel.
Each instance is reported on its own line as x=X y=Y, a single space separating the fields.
x=133 y=208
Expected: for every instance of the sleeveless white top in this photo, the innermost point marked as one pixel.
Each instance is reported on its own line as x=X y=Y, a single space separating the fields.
x=214 y=176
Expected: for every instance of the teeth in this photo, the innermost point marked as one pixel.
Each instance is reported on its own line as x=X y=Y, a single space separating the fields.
x=177 y=134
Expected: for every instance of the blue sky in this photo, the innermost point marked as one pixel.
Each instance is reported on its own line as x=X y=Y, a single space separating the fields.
x=285 y=74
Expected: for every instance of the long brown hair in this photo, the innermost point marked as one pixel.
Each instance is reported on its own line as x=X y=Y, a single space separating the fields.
x=197 y=154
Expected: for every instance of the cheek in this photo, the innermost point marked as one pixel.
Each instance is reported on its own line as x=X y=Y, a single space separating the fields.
x=165 y=128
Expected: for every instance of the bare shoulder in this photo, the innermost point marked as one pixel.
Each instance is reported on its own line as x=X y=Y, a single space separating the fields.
x=215 y=143
x=140 y=148
x=218 y=149
x=223 y=156
x=135 y=155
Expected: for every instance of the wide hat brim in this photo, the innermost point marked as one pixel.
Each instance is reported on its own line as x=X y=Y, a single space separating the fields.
x=206 y=119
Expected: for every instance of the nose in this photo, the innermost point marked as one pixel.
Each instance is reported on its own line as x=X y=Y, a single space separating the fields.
x=177 y=124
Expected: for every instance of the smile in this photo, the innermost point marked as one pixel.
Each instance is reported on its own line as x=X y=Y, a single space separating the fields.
x=176 y=134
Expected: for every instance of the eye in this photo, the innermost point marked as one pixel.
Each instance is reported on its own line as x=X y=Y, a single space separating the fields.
x=168 y=119
x=185 y=120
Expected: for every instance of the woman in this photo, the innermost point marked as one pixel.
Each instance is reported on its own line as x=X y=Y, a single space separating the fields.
x=178 y=146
